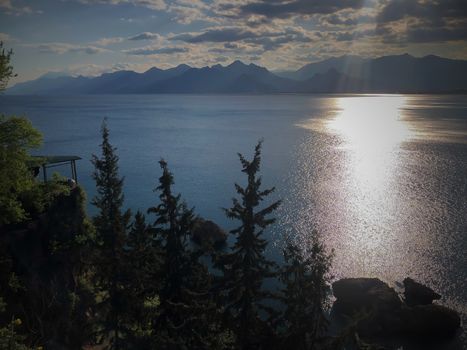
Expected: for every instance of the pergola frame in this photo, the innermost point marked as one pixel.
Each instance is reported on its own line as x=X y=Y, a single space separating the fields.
x=55 y=161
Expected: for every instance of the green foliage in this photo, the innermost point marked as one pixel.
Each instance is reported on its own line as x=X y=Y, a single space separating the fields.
x=173 y=225
x=50 y=296
x=187 y=318
x=143 y=259
x=17 y=137
x=120 y=285
x=56 y=297
x=10 y=339
x=246 y=268
x=111 y=224
x=6 y=69
x=305 y=277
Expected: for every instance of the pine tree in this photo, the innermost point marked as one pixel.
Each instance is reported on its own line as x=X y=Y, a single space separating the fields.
x=142 y=276
x=111 y=224
x=305 y=277
x=187 y=314
x=246 y=267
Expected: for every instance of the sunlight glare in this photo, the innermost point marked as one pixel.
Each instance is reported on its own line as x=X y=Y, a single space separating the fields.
x=372 y=130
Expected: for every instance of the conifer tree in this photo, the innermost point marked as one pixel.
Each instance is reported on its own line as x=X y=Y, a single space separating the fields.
x=246 y=267
x=111 y=224
x=305 y=277
x=142 y=276
x=186 y=317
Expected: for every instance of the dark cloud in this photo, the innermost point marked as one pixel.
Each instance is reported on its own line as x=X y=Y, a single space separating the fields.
x=346 y=18
x=222 y=34
x=61 y=48
x=286 y=9
x=156 y=51
x=275 y=41
x=433 y=11
x=426 y=35
x=417 y=21
x=357 y=34
x=269 y=40
x=221 y=59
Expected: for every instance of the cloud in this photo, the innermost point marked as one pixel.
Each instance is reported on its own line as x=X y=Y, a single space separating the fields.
x=431 y=10
x=5 y=37
x=236 y=49
x=287 y=9
x=108 y=41
x=346 y=18
x=62 y=48
x=188 y=11
x=95 y=69
x=145 y=36
x=151 y=4
x=145 y=51
x=267 y=37
x=186 y=14
x=8 y=8
x=217 y=34
x=423 y=21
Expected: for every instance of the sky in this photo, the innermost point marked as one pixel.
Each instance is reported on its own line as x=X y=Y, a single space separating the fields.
x=91 y=37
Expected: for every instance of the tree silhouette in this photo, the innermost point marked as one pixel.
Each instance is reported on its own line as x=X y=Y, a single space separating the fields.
x=6 y=69
x=305 y=276
x=187 y=314
x=246 y=267
x=111 y=224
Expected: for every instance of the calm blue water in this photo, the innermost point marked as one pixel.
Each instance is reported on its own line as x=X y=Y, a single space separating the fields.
x=383 y=178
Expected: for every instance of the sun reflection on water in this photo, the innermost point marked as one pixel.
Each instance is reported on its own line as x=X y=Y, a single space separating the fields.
x=356 y=204
x=372 y=130
x=383 y=179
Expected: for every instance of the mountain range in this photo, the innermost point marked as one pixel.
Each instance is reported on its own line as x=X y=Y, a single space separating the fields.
x=345 y=74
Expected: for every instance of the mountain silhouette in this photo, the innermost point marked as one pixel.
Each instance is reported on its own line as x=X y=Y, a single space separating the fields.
x=351 y=74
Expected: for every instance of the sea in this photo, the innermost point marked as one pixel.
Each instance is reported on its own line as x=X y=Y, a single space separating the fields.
x=381 y=178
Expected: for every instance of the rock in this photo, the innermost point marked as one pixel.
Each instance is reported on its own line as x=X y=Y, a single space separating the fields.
x=430 y=321
x=354 y=294
x=377 y=310
x=370 y=302
x=206 y=232
x=417 y=294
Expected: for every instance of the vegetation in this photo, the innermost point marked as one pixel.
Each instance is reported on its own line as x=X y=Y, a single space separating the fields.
x=246 y=267
x=305 y=276
x=17 y=136
x=115 y=281
x=6 y=69
x=126 y=284
x=111 y=226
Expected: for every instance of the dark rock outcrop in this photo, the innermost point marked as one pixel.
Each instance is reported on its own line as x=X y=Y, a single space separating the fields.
x=208 y=233
x=354 y=294
x=417 y=294
x=371 y=302
x=377 y=309
x=430 y=320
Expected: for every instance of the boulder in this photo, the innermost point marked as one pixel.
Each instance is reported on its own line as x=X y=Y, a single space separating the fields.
x=417 y=294
x=208 y=233
x=354 y=294
x=377 y=310
x=430 y=321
